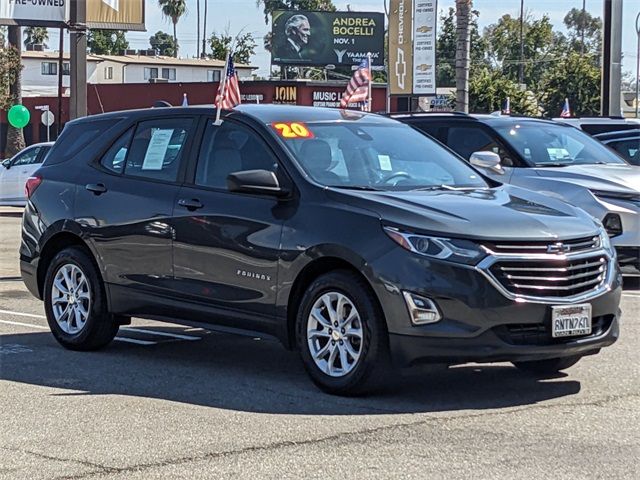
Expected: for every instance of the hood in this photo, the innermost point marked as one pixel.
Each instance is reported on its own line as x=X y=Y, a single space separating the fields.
x=505 y=212
x=606 y=178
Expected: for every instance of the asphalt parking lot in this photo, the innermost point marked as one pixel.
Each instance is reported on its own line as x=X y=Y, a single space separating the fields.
x=167 y=401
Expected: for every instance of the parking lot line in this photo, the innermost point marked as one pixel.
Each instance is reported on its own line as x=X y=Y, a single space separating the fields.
x=20 y=314
x=133 y=340
x=20 y=324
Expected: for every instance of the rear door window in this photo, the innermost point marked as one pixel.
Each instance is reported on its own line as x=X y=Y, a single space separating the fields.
x=115 y=157
x=157 y=149
x=466 y=140
x=28 y=157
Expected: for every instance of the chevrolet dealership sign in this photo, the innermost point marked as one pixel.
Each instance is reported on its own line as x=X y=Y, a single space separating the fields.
x=105 y=14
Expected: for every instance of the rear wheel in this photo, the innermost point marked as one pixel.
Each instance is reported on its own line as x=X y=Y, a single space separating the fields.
x=342 y=336
x=75 y=302
x=548 y=367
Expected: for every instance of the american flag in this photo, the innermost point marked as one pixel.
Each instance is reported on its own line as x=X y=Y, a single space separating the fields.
x=229 y=90
x=566 y=111
x=358 y=87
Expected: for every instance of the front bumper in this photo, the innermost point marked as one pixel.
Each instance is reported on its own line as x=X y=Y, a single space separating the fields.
x=479 y=323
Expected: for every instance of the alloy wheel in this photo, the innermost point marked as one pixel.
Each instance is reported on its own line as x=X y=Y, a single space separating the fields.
x=70 y=298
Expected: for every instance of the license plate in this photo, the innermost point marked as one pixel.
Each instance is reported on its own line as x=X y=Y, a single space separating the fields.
x=571 y=320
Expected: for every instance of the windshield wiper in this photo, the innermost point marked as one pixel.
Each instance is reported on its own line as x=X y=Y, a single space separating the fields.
x=446 y=187
x=357 y=187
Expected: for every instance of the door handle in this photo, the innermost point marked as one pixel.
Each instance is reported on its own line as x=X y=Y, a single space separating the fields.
x=190 y=204
x=96 y=188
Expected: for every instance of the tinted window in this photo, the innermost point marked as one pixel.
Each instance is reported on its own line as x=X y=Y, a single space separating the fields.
x=27 y=157
x=547 y=144
x=76 y=137
x=230 y=148
x=629 y=149
x=389 y=156
x=115 y=157
x=157 y=147
x=465 y=140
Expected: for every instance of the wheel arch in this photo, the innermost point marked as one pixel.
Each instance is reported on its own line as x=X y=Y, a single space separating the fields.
x=312 y=270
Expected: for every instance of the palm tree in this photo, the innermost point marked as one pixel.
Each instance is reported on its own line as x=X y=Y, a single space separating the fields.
x=463 y=33
x=36 y=36
x=15 y=136
x=174 y=9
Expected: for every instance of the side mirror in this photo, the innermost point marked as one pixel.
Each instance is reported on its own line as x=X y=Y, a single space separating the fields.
x=262 y=182
x=7 y=164
x=488 y=160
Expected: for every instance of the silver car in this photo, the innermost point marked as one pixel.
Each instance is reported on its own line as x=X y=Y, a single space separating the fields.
x=552 y=158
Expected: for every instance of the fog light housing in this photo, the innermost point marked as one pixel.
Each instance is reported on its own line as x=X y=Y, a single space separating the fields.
x=612 y=224
x=422 y=310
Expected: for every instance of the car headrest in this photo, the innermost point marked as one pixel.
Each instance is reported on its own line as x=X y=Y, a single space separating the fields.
x=316 y=155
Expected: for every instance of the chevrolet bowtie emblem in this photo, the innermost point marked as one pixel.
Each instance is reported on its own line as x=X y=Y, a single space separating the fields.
x=424 y=29
x=401 y=69
x=559 y=248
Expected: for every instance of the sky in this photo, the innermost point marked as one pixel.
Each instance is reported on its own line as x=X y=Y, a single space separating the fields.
x=244 y=15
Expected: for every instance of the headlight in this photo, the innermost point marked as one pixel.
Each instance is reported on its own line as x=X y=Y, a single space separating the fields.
x=455 y=250
x=605 y=242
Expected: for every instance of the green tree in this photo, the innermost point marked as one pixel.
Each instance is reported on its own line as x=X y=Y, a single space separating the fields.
x=173 y=9
x=540 y=42
x=15 y=136
x=36 y=36
x=446 y=48
x=488 y=89
x=164 y=44
x=272 y=5
x=107 y=42
x=577 y=78
x=584 y=31
x=3 y=36
x=244 y=47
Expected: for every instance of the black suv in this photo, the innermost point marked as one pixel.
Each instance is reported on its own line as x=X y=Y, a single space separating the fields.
x=320 y=227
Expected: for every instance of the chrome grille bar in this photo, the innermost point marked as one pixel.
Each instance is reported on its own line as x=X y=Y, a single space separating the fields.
x=556 y=279
x=552 y=269
x=595 y=281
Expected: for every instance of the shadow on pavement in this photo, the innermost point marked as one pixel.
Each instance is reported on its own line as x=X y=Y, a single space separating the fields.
x=631 y=283
x=252 y=375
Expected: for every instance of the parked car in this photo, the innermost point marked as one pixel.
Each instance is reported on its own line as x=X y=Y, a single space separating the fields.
x=625 y=142
x=597 y=125
x=16 y=170
x=551 y=158
x=348 y=236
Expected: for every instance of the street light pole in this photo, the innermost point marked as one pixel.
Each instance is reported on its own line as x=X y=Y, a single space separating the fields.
x=638 y=64
x=521 y=66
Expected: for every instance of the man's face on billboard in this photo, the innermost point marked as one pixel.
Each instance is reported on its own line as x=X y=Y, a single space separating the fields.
x=303 y=32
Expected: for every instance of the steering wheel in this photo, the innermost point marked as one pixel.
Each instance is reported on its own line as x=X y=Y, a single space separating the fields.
x=394 y=175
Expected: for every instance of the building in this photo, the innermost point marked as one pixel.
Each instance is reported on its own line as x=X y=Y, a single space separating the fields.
x=157 y=69
x=40 y=74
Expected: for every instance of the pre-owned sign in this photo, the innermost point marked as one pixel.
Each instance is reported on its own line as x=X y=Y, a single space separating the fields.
x=33 y=12
x=424 y=47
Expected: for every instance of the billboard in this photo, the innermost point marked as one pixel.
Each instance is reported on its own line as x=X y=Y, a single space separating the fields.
x=36 y=13
x=116 y=14
x=425 y=16
x=326 y=38
x=401 y=47
x=106 y=14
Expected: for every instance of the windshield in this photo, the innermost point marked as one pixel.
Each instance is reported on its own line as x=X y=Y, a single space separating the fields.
x=375 y=156
x=548 y=145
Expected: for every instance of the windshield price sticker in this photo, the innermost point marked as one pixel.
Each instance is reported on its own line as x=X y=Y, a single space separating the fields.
x=292 y=130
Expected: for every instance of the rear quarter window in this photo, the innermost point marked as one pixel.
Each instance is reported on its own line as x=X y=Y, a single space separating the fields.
x=76 y=137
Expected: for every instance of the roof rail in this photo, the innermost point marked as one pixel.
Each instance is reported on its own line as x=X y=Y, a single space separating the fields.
x=418 y=114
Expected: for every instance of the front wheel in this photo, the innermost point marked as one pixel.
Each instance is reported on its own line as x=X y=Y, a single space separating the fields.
x=75 y=302
x=342 y=335
x=548 y=367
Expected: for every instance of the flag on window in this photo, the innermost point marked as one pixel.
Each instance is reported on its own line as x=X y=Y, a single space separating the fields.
x=566 y=111
x=229 y=90
x=358 y=87
x=506 y=107
x=185 y=102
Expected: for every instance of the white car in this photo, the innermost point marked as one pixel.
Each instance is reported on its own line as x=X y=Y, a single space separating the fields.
x=15 y=171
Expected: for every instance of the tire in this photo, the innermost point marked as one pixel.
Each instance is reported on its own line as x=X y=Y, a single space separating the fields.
x=77 y=331
x=367 y=372
x=547 y=367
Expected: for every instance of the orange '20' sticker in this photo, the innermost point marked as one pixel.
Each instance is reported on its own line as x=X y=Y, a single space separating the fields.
x=291 y=130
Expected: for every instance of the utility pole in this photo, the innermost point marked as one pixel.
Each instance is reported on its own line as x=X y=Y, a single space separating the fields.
x=611 y=58
x=521 y=66
x=60 y=73
x=638 y=64
x=78 y=29
x=583 y=24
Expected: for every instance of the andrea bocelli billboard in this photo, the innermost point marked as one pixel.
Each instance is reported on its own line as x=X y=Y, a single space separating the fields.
x=327 y=38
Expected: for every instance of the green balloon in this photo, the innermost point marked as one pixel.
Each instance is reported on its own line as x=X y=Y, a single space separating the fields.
x=19 y=116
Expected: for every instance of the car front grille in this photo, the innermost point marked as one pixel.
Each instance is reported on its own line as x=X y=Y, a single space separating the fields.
x=557 y=278
x=577 y=245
